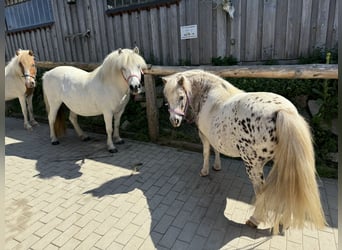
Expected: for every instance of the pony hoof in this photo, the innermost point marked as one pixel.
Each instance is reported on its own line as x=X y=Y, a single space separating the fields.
x=251 y=224
x=28 y=127
x=87 y=138
x=203 y=175
x=55 y=142
x=34 y=123
x=216 y=169
x=114 y=150
x=119 y=142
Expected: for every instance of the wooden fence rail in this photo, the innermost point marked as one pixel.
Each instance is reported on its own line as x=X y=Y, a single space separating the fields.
x=307 y=71
x=303 y=71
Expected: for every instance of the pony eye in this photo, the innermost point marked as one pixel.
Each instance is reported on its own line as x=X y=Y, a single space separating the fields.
x=181 y=98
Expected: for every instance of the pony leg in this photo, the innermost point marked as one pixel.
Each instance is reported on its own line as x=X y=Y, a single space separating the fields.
x=217 y=164
x=108 y=118
x=22 y=101
x=116 y=136
x=79 y=131
x=52 y=119
x=256 y=176
x=206 y=154
x=33 y=122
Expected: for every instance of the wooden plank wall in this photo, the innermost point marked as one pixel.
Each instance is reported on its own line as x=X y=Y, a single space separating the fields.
x=261 y=30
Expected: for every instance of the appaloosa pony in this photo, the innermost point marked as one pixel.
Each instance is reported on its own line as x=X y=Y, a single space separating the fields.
x=258 y=127
x=20 y=75
x=106 y=91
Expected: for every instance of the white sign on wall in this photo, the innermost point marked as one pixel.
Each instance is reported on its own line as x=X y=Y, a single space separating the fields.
x=188 y=32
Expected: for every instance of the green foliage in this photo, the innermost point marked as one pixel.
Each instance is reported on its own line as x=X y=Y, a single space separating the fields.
x=326 y=92
x=271 y=62
x=224 y=61
x=319 y=55
x=184 y=62
x=288 y=88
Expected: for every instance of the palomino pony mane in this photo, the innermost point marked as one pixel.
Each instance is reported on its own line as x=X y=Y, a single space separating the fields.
x=13 y=66
x=116 y=61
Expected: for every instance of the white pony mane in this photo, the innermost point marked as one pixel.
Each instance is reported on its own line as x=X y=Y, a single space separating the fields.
x=117 y=60
x=10 y=66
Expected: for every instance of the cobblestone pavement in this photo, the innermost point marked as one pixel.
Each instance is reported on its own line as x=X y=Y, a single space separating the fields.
x=78 y=196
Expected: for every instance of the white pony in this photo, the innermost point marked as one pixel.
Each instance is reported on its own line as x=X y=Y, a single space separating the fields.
x=20 y=75
x=258 y=127
x=106 y=91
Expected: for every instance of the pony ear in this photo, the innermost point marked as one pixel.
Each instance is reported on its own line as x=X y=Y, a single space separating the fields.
x=31 y=53
x=120 y=50
x=18 y=52
x=164 y=80
x=136 y=50
x=181 y=81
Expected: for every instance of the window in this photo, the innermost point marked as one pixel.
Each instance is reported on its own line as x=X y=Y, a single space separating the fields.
x=118 y=7
x=11 y=2
x=28 y=15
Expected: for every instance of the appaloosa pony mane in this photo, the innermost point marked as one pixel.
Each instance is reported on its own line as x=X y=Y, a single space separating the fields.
x=197 y=84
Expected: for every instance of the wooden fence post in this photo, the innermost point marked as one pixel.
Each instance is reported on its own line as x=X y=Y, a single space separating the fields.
x=151 y=107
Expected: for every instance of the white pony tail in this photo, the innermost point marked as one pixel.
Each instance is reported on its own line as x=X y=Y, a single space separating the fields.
x=290 y=196
x=59 y=126
x=47 y=106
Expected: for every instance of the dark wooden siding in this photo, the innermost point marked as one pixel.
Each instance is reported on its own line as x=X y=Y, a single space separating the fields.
x=260 y=30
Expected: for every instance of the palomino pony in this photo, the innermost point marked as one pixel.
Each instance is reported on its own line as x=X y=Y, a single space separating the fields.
x=106 y=91
x=258 y=127
x=20 y=75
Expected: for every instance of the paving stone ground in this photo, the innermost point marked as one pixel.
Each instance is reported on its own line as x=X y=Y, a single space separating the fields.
x=76 y=195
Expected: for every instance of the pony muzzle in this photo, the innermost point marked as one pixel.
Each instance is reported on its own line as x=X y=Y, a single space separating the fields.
x=29 y=81
x=134 y=84
x=176 y=117
x=176 y=120
x=135 y=89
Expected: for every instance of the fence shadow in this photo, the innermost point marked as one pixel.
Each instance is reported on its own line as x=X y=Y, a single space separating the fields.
x=64 y=160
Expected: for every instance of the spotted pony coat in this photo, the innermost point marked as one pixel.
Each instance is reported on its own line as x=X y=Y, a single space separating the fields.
x=240 y=124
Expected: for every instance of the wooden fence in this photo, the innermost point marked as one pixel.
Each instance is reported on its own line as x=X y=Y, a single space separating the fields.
x=308 y=71
x=260 y=30
x=313 y=71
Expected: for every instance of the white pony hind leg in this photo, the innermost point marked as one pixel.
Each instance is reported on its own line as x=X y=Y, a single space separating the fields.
x=33 y=122
x=22 y=101
x=52 y=118
x=206 y=154
x=79 y=131
x=116 y=136
x=108 y=118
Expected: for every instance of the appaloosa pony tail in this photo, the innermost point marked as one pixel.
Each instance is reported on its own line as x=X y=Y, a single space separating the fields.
x=290 y=195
